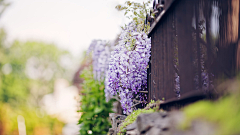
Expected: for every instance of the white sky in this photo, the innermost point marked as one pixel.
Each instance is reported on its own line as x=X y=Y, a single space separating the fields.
x=70 y=24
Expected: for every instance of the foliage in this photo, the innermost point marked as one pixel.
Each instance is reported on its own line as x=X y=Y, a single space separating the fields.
x=225 y=113
x=29 y=68
x=136 y=12
x=94 y=108
x=133 y=116
x=27 y=72
x=153 y=104
x=36 y=122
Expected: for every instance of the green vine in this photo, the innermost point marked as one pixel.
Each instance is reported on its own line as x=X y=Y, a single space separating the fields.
x=136 y=12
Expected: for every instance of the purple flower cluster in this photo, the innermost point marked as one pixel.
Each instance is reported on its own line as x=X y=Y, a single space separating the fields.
x=92 y=46
x=128 y=63
x=100 y=54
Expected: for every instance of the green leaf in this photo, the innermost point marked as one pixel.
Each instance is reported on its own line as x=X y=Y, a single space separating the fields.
x=88 y=115
x=98 y=109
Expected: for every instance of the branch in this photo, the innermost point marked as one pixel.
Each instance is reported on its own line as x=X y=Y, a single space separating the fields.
x=134 y=100
x=143 y=91
x=135 y=105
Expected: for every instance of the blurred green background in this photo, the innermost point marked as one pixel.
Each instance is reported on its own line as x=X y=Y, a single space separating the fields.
x=28 y=71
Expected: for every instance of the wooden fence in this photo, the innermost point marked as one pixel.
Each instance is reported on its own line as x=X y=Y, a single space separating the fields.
x=194 y=47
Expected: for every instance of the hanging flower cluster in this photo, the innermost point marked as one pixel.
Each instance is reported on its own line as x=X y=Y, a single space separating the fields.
x=126 y=71
x=100 y=54
x=91 y=47
x=127 y=74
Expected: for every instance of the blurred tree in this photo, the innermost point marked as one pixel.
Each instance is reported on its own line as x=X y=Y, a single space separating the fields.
x=27 y=72
x=29 y=68
x=40 y=63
